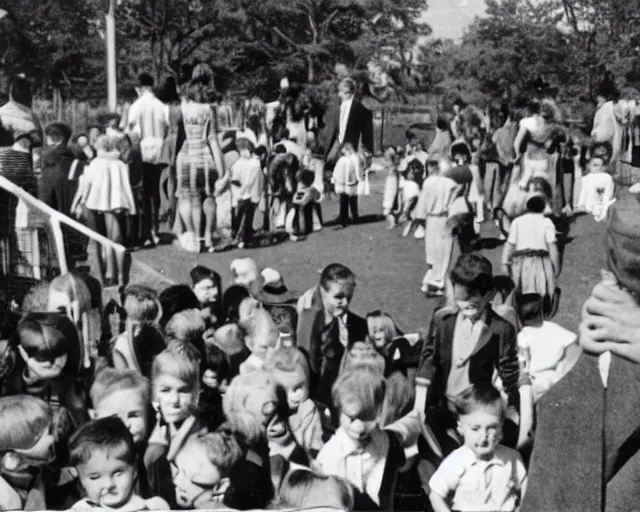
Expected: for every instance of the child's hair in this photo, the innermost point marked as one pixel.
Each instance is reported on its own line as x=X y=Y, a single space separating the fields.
x=473 y=271
x=247 y=309
x=176 y=298
x=260 y=324
x=188 y=327
x=243 y=143
x=382 y=321
x=297 y=491
x=363 y=385
x=362 y=353
x=336 y=272
x=232 y=298
x=530 y=308
x=442 y=123
x=48 y=335
x=200 y=273
x=504 y=285
x=485 y=397
x=288 y=360
x=109 y=434
x=179 y=362
x=218 y=361
x=398 y=400
x=230 y=338
x=306 y=177
x=105 y=143
x=142 y=304
x=222 y=448
x=539 y=184
x=416 y=170
x=75 y=288
x=110 y=380
x=25 y=419
x=147 y=341
x=58 y=132
x=536 y=203
x=233 y=403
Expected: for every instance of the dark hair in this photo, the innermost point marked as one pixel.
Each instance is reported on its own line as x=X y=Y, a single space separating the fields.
x=218 y=361
x=103 y=434
x=410 y=135
x=541 y=184
x=503 y=285
x=145 y=80
x=415 y=166
x=460 y=103
x=280 y=150
x=306 y=177
x=534 y=106
x=201 y=91
x=530 y=308
x=335 y=272
x=536 y=204
x=147 y=342
x=177 y=298
x=200 y=273
x=169 y=92
x=232 y=298
x=59 y=132
x=442 y=123
x=20 y=91
x=473 y=271
x=480 y=396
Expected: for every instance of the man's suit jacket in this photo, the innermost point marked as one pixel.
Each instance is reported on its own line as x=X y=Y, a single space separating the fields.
x=359 y=127
x=496 y=349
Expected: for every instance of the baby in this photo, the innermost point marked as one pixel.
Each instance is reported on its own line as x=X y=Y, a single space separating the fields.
x=104 y=455
x=481 y=475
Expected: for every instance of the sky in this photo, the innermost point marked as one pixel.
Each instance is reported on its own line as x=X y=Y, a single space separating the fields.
x=449 y=18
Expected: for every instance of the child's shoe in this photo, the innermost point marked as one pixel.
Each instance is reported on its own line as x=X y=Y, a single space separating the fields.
x=419 y=234
x=406 y=230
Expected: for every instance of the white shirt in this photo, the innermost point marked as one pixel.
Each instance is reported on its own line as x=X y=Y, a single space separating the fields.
x=345 y=110
x=596 y=194
x=149 y=118
x=470 y=484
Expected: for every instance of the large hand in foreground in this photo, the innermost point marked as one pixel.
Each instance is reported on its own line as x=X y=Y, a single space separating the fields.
x=611 y=321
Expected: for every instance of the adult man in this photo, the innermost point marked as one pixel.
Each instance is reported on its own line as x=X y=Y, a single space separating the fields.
x=149 y=119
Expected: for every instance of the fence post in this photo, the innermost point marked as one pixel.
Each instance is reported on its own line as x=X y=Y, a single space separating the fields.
x=382 y=131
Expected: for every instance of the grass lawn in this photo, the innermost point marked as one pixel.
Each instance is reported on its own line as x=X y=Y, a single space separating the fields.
x=389 y=268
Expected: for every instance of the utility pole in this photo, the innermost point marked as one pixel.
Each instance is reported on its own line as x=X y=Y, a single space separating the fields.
x=112 y=87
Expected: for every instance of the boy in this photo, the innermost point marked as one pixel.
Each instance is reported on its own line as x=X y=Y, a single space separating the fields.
x=596 y=189
x=346 y=176
x=482 y=475
x=104 y=455
x=466 y=345
x=125 y=394
x=201 y=469
x=304 y=202
x=326 y=327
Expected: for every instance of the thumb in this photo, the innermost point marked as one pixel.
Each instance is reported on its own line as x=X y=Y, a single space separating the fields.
x=608 y=277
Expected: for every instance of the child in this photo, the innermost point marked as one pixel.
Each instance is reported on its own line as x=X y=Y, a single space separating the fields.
x=303 y=490
x=207 y=285
x=360 y=451
x=326 y=327
x=291 y=370
x=304 y=200
x=216 y=375
x=26 y=446
x=438 y=193
x=547 y=347
x=261 y=336
x=143 y=312
x=230 y=339
x=346 y=176
x=411 y=186
x=596 y=189
x=391 y=198
x=482 y=474
x=176 y=386
x=201 y=469
x=466 y=345
x=531 y=255
x=106 y=193
x=246 y=180
x=104 y=455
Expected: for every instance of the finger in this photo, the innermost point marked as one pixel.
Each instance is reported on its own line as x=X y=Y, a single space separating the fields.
x=630 y=352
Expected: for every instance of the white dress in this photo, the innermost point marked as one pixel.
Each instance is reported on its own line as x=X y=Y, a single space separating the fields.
x=596 y=194
x=106 y=185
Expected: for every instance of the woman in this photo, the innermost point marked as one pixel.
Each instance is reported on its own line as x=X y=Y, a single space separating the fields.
x=172 y=145
x=199 y=162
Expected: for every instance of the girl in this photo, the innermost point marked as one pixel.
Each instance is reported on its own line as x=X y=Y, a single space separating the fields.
x=105 y=192
x=141 y=341
x=346 y=176
x=531 y=255
x=391 y=199
x=246 y=182
x=411 y=186
x=282 y=181
x=176 y=386
x=304 y=202
x=261 y=336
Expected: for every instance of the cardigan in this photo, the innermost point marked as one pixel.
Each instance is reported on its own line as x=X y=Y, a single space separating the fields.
x=496 y=350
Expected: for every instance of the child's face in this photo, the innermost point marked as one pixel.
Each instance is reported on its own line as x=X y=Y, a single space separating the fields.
x=262 y=343
x=482 y=431
x=356 y=422
x=471 y=305
x=107 y=480
x=378 y=335
x=596 y=165
x=175 y=398
x=262 y=403
x=128 y=405
x=295 y=385
x=194 y=475
x=337 y=296
x=206 y=291
x=82 y=142
x=41 y=453
x=211 y=380
x=44 y=369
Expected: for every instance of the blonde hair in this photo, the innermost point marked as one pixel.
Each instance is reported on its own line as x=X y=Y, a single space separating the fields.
x=230 y=338
x=247 y=308
x=260 y=324
x=187 y=326
x=222 y=448
x=288 y=360
x=303 y=489
x=398 y=399
x=364 y=385
x=384 y=322
x=176 y=361
x=142 y=304
x=25 y=419
x=234 y=400
x=110 y=380
x=369 y=357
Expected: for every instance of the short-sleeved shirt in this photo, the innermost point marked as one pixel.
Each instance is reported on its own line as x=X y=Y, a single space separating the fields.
x=532 y=231
x=467 y=483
